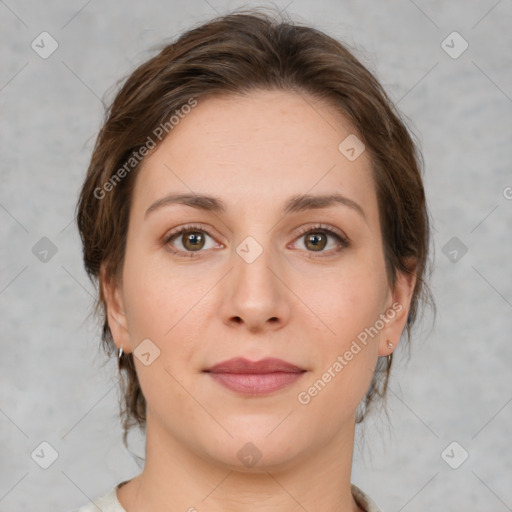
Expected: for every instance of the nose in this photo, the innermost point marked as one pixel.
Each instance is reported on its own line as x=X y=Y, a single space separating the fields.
x=255 y=296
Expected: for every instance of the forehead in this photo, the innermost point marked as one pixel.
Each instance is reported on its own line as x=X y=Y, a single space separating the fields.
x=264 y=147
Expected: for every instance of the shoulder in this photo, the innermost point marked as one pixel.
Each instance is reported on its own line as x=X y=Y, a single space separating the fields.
x=363 y=500
x=106 y=503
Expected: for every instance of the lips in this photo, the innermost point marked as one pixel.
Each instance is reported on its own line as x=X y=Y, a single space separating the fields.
x=255 y=378
x=241 y=365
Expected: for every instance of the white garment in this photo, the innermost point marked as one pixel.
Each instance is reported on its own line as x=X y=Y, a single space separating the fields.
x=110 y=503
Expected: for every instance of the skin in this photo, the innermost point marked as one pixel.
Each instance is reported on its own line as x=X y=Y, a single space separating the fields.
x=304 y=306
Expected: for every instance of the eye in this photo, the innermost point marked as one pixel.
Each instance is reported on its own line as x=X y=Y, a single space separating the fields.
x=192 y=239
x=188 y=240
x=316 y=239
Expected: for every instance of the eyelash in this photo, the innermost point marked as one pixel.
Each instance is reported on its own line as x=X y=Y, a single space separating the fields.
x=343 y=241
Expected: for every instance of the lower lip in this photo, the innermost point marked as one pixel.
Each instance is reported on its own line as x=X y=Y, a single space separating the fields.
x=256 y=383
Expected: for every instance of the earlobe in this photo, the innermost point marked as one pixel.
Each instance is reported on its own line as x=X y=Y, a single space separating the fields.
x=116 y=315
x=398 y=311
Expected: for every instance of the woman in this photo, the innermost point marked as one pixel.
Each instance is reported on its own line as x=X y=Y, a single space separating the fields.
x=255 y=216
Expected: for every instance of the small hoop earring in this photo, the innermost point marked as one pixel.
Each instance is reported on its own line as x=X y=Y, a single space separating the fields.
x=119 y=358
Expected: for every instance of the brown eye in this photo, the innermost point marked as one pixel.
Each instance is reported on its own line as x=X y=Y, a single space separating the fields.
x=193 y=240
x=322 y=240
x=316 y=241
x=189 y=241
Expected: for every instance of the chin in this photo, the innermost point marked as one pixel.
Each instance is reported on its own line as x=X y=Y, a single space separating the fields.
x=254 y=451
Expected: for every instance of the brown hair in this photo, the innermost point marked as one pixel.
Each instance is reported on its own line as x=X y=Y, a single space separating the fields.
x=235 y=54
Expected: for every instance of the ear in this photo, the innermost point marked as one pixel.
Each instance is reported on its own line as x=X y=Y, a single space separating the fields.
x=116 y=316
x=397 y=311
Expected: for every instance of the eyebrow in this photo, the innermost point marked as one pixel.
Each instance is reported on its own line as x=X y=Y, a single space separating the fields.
x=296 y=203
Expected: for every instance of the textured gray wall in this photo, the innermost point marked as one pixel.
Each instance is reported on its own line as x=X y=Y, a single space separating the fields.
x=457 y=385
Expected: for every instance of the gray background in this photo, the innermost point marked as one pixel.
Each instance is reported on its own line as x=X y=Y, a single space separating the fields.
x=457 y=385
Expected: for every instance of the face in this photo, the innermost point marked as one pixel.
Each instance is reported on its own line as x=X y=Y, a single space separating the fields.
x=266 y=273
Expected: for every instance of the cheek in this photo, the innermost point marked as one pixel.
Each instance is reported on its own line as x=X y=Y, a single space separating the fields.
x=349 y=300
x=145 y=306
x=345 y=358
x=347 y=354
x=160 y=309
x=151 y=301
x=165 y=305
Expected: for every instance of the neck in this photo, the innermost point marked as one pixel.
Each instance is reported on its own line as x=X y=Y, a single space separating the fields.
x=176 y=478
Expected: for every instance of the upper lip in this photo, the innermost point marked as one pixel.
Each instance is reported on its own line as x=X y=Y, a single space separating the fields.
x=244 y=366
